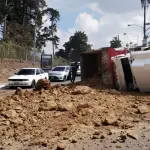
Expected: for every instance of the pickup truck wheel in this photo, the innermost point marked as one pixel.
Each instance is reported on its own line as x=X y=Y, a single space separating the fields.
x=33 y=84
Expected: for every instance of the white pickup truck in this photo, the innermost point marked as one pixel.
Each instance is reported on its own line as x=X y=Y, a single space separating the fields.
x=27 y=77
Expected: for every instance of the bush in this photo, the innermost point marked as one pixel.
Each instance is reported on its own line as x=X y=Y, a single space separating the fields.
x=59 y=61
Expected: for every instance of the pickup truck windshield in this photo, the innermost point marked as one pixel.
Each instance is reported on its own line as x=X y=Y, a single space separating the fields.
x=26 y=72
x=59 y=69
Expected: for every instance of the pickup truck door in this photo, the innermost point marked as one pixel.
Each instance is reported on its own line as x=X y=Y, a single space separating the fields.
x=38 y=75
x=43 y=74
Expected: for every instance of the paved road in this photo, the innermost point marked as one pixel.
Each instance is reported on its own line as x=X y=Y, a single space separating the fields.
x=6 y=91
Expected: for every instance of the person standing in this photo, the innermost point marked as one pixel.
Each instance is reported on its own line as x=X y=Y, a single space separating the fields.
x=74 y=69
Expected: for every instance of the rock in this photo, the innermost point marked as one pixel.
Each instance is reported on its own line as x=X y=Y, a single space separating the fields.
x=19 y=91
x=102 y=136
x=96 y=132
x=134 y=106
x=85 y=111
x=114 y=92
x=18 y=108
x=42 y=84
x=132 y=135
x=22 y=115
x=97 y=123
x=110 y=120
x=123 y=138
x=83 y=105
x=69 y=106
x=143 y=109
x=65 y=138
x=61 y=108
x=27 y=94
x=17 y=121
x=60 y=146
x=118 y=146
x=57 y=134
x=127 y=125
x=109 y=132
x=81 y=90
x=95 y=137
x=49 y=106
x=73 y=140
x=55 y=93
x=16 y=98
x=50 y=98
x=58 y=114
x=11 y=113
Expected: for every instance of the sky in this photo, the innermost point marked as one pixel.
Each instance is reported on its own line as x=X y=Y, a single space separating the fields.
x=101 y=20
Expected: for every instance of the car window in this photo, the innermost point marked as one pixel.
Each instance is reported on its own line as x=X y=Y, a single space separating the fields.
x=26 y=72
x=41 y=71
x=67 y=69
x=37 y=71
x=59 y=69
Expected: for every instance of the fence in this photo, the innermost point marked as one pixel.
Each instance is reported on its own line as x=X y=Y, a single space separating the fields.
x=59 y=61
x=12 y=51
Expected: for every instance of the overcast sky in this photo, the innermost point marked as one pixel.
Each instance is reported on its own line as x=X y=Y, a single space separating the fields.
x=100 y=19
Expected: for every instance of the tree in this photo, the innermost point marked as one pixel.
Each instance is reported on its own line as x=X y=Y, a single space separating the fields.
x=76 y=45
x=54 y=17
x=62 y=53
x=115 y=43
x=28 y=15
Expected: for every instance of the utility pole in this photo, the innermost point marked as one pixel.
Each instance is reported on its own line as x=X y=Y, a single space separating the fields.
x=144 y=26
x=34 y=48
x=53 y=40
x=5 y=21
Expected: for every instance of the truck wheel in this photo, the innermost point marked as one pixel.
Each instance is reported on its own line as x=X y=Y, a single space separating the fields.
x=33 y=84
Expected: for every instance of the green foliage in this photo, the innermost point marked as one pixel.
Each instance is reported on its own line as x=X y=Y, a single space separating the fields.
x=62 y=53
x=19 y=34
x=145 y=1
x=21 y=17
x=58 y=61
x=115 y=43
x=76 y=45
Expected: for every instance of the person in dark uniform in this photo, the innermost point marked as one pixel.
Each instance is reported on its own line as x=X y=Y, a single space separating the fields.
x=74 y=69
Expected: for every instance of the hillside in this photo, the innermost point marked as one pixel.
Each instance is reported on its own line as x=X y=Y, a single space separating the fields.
x=9 y=66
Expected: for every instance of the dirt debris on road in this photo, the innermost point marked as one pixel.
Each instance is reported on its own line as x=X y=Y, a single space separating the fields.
x=51 y=119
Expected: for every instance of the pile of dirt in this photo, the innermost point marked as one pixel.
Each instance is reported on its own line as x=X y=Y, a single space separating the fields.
x=66 y=113
x=10 y=66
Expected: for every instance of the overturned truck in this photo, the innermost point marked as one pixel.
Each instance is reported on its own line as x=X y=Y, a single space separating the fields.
x=134 y=74
x=118 y=68
x=98 y=62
